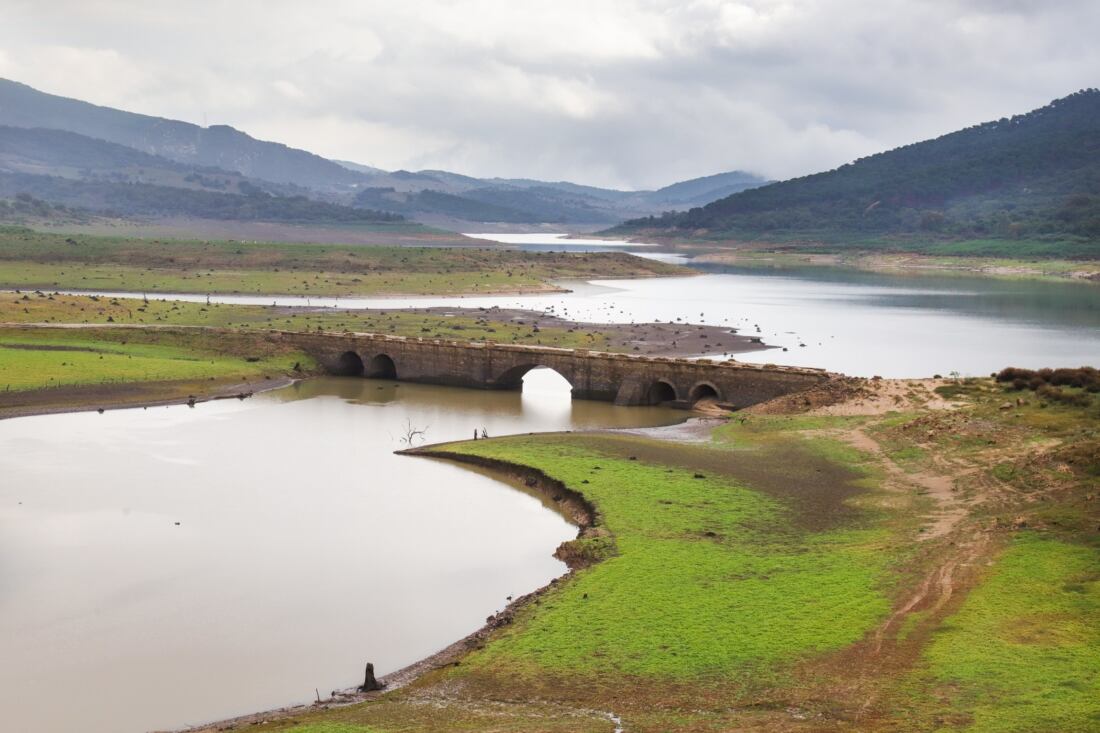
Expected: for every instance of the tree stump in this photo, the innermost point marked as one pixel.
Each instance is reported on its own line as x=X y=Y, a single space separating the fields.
x=370 y=684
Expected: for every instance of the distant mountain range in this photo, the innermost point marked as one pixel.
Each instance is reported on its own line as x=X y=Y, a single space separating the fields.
x=78 y=154
x=1032 y=176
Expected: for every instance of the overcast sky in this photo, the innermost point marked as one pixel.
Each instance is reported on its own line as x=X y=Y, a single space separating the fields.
x=630 y=93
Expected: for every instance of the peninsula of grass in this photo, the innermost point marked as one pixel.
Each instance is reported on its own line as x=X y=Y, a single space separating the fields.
x=37 y=260
x=775 y=578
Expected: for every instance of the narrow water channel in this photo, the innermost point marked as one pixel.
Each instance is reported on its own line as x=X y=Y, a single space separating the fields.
x=170 y=566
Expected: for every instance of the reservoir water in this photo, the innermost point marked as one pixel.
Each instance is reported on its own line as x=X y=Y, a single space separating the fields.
x=170 y=566
x=850 y=321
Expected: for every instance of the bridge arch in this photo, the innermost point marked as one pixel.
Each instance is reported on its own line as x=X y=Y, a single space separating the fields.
x=348 y=364
x=512 y=378
x=661 y=391
x=704 y=391
x=382 y=367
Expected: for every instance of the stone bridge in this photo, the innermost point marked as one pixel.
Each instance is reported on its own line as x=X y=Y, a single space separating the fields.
x=594 y=375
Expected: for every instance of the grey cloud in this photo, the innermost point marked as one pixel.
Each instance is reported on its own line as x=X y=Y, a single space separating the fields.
x=632 y=94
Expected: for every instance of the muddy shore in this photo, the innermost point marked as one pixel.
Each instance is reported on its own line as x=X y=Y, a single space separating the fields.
x=103 y=397
x=649 y=339
x=569 y=503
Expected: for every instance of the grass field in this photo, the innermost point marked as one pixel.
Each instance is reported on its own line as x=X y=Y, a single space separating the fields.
x=66 y=369
x=30 y=259
x=1023 y=652
x=38 y=359
x=709 y=578
x=40 y=307
x=774 y=579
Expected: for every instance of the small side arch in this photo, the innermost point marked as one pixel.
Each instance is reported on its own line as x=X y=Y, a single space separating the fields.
x=660 y=391
x=704 y=391
x=348 y=364
x=382 y=367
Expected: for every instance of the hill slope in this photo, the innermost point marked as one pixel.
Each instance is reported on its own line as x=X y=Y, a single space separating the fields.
x=219 y=146
x=1034 y=175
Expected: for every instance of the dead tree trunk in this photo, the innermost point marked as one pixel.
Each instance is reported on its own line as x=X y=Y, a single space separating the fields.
x=370 y=684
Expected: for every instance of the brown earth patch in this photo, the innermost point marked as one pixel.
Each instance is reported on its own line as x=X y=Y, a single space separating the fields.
x=50 y=347
x=815 y=489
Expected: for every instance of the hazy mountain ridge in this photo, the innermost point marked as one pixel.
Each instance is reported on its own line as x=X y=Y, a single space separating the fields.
x=219 y=146
x=519 y=200
x=1032 y=175
x=76 y=140
x=66 y=154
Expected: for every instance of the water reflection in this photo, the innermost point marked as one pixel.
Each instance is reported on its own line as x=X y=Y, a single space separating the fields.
x=304 y=547
x=1041 y=302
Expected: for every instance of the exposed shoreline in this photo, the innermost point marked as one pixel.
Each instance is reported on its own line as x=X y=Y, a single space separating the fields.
x=908 y=263
x=569 y=503
x=128 y=396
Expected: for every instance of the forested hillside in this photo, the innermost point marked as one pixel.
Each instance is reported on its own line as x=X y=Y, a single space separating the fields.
x=1034 y=175
x=150 y=200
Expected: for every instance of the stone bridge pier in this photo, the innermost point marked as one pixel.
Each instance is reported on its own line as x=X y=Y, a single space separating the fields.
x=620 y=378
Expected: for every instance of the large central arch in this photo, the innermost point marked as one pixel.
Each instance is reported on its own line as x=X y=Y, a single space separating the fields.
x=512 y=378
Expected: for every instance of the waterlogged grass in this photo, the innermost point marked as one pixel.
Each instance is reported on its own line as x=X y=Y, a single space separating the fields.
x=37 y=359
x=1023 y=652
x=710 y=578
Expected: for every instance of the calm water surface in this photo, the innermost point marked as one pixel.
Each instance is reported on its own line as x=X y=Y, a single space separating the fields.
x=303 y=548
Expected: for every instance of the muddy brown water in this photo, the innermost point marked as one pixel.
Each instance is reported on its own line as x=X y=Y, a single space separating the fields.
x=170 y=566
